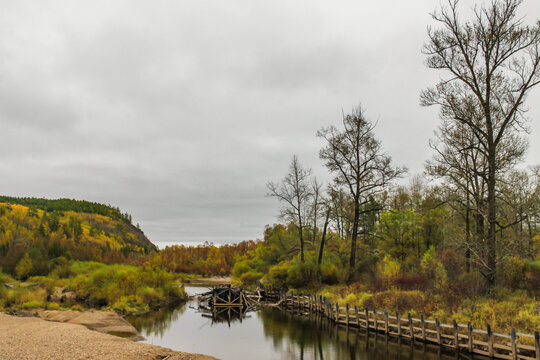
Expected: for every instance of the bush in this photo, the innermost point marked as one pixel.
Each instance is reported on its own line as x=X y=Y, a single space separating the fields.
x=531 y=278
x=300 y=274
x=277 y=275
x=250 y=277
x=403 y=301
x=388 y=271
x=34 y=304
x=124 y=288
x=433 y=269
x=18 y=297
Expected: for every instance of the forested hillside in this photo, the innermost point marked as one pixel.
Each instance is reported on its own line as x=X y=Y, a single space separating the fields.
x=35 y=234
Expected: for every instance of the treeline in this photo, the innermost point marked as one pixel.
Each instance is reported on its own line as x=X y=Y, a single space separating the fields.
x=206 y=259
x=69 y=205
x=33 y=241
x=468 y=226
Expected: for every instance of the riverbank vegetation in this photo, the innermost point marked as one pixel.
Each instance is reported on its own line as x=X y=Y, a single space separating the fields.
x=91 y=285
x=461 y=240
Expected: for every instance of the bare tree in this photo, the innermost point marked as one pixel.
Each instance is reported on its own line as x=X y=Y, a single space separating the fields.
x=323 y=239
x=295 y=191
x=317 y=200
x=492 y=61
x=356 y=158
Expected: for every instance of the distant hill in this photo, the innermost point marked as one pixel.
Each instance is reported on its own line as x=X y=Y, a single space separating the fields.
x=35 y=232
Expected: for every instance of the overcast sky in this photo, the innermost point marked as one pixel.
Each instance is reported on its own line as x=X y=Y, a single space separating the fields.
x=179 y=112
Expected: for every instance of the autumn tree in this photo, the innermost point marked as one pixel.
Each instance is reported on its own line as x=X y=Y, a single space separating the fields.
x=360 y=166
x=492 y=63
x=295 y=191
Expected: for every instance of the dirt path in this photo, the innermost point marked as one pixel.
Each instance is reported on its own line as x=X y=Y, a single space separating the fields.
x=32 y=338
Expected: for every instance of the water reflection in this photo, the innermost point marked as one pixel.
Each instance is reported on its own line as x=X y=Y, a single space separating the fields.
x=157 y=322
x=275 y=335
x=319 y=339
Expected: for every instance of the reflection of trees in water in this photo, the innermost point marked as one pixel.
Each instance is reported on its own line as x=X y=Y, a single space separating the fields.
x=157 y=322
x=319 y=339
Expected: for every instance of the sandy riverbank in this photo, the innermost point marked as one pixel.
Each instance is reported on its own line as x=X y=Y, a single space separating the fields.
x=33 y=338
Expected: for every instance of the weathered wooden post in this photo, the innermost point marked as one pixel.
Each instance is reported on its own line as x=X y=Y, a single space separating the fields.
x=366 y=312
x=357 y=316
x=386 y=321
x=411 y=327
x=337 y=313
x=423 y=325
x=537 y=344
x=347 y=315
x=490 y=340
x=329 y=310
x=398 y=324
x=470 y=337
x=514 y=345
x=375 y=320
x=438 y=328
x=456 y=335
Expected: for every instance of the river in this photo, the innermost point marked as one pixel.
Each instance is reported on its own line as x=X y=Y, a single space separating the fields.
x=272 y=334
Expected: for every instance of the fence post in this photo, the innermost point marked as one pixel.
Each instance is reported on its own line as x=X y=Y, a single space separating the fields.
x=423 y=324
x=470 y=337
x=367 y=318
x=514 y=345
x=490 y=340
x=537 y=344
x=375 y=320
x=398 y=324
x=357 y=316
x=386 y=321
x=438 y=327
x=347 y=314
x=456 y=335
x=411 y=327
x=337 y=312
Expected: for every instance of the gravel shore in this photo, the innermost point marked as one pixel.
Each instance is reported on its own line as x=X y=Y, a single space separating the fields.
x=33 y=338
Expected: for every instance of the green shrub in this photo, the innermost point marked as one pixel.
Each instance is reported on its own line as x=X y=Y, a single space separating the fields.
x=34 y=304
x=277 y=275
x=250 y=277
x=531 y=278
x=123 y=287
x=300 y=274
x=19 y=296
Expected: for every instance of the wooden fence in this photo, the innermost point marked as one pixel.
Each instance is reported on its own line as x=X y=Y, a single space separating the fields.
x=461 y=337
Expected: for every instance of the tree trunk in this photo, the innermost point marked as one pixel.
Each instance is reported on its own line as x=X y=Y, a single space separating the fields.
x=352 y=260
x=321 y=249
x=492 y=213
x=301 y=234
x=468 y=234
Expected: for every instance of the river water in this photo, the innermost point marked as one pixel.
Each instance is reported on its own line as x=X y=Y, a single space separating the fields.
x=272 y=334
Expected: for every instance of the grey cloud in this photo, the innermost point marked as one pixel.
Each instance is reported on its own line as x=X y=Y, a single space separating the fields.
x=180 y=112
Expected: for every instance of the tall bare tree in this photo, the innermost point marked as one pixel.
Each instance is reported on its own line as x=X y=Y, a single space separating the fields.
x=315 y=208
x=357 y=159
x=295 y=191
x=492 y=62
